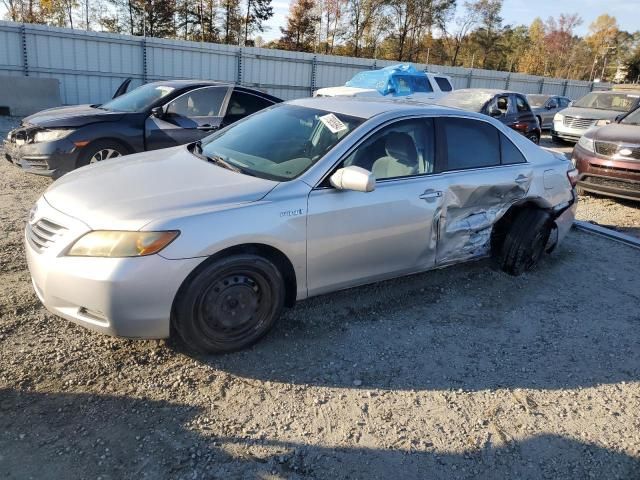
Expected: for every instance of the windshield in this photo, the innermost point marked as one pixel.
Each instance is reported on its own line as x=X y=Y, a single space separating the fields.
x=537 y=100
x=473 y=101
x=633 y=118
x=620 y=102
x=139 y=99
x=281 y=142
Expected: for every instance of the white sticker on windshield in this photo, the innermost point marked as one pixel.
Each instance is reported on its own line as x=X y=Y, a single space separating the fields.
x=333 y=123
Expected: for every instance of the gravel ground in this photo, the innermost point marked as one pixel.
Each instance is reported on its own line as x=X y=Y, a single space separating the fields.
x=462 y=373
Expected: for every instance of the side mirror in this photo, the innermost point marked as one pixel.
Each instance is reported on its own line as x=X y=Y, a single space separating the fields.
x=353 y=178
x=619 y=117
x=552 y=105
x=571 y=103
x=157 y=112
x=494 y=112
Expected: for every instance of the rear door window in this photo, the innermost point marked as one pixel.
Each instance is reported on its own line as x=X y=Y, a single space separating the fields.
x=242 y=104
x=509 y=152
x=521 y=104
x=444 y=84
x=467 y=143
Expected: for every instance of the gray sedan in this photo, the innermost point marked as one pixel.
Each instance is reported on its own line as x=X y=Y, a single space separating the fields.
x=211 y=240
x=544 y=107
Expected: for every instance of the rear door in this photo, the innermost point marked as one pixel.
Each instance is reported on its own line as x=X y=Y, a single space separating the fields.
x=483 y=176
x=187 y=118
x=524 y=121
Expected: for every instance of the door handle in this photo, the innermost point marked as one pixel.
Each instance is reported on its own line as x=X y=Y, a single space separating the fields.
x=522 y=179
x=430 y=194
x=207 y=127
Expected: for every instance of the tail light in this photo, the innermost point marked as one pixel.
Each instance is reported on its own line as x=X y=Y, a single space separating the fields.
x=572 y=175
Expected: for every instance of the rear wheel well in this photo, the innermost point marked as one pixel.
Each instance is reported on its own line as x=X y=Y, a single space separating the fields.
x=275 y=256
x=501 y=227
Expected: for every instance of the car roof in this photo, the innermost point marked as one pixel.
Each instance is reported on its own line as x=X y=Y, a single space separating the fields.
x=180 y=84
x=488 y=91
x=366 y=108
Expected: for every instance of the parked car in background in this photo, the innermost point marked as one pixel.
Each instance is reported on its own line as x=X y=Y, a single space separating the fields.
x=510 y=108
x=396 y=81
x=156 y=115
x=305 y=198
x=544 y=107
x=594 y=109
x=608 y=158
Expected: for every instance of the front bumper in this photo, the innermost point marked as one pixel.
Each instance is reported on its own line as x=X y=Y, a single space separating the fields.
x=128 y=297
x=610 y=177
x=51 y=159
x=558 y=129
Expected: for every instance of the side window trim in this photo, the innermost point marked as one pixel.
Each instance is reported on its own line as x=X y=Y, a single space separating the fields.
x=224 y=101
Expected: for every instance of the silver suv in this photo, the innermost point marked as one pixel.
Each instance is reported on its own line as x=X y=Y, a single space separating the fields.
x=594 y=109
x=213 y=239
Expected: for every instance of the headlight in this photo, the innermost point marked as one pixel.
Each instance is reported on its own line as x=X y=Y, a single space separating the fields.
x=50 y=135
x=558 y=117
x=586 y=143
x=107 y=243
x=603 y=121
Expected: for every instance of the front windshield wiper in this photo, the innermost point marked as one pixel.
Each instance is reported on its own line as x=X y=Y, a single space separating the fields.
x=215 y=159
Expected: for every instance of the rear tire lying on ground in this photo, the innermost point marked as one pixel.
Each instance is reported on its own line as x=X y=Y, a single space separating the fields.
x=229 y=304
x=525 y=241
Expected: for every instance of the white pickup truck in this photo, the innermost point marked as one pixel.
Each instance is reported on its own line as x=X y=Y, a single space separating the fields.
x=394 y=82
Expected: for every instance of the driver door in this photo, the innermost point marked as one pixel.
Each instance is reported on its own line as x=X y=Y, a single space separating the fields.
x=187 y=118
x=356 y=237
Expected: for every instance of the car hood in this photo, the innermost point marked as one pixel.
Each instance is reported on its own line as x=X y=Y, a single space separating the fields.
x=593 y=113
x=75 y=116
x=129 y=192
x=617 y=133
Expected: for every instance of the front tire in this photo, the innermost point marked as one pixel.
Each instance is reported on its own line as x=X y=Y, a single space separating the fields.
x=525 y=241
x=229 y=304
x=100 y=151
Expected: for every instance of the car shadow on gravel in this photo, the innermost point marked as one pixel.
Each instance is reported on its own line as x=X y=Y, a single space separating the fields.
x=61 y=436
x=468 y=327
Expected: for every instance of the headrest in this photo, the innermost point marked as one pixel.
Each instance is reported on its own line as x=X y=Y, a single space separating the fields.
x=401 y=147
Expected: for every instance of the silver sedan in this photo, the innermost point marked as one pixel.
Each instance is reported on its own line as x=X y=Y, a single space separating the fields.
x=211 y=240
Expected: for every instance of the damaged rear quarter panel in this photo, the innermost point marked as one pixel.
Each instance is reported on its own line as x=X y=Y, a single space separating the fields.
x=472 y=204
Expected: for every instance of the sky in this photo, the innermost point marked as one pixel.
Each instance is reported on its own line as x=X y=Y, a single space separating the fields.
x=516 y=12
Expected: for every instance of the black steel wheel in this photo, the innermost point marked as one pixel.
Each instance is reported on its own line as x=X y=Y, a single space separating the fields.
x=229 y=304
x=534 y=137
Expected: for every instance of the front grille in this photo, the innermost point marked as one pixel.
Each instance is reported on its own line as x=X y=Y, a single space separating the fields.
x=609 y=149
x=44 y=233
x=613 y=183
x=597 y=168
x=580 y=123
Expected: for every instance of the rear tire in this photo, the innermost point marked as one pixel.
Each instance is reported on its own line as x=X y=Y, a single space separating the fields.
x=525 y=241
x=229 y=304
x=534 y=137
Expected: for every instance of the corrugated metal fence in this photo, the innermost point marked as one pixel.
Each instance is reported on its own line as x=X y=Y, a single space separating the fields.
x=91 y=65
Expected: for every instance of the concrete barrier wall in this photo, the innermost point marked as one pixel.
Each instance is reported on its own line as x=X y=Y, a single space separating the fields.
x=91 y=65
x=22 y=96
